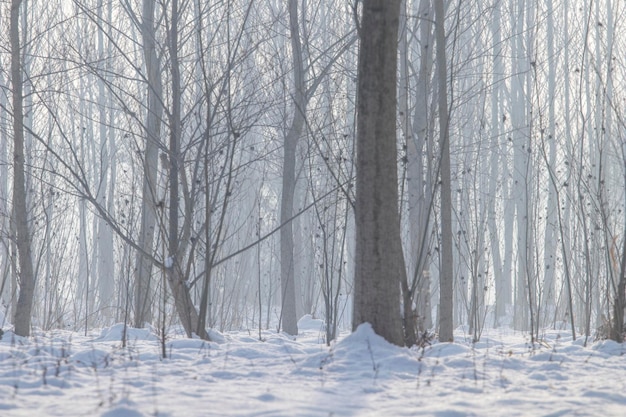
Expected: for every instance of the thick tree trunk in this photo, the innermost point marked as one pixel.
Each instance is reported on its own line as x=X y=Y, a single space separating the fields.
x=379 y=259
x=23 y=238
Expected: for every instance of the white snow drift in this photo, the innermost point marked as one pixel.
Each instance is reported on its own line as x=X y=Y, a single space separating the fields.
x=66 y=374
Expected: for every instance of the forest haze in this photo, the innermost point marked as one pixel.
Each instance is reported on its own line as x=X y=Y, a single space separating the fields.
x=192 y=164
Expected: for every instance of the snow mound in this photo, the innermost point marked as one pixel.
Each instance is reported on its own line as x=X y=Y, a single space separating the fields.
x=125 y=408
x=364 y=335
x=122 y=412
x=361 y=374
x=610 y=347
x=94 y=358
x=116 y=333
x=366 y=354
x=11 y=338
x=308 y=323
x=445 y=349
x=188 y=348
x=216 y=336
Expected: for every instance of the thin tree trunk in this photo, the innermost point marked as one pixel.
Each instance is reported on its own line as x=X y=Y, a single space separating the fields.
x=105 y=257
x=287 y=275
x=446 y=279
x=410 y=317
x=550 y=246
x=521 y=164
x=182 y=298
x=154 y=112
x=419 y=181
x=619 y=303
x=495 y=173
x=23 y=237
x=6 y=287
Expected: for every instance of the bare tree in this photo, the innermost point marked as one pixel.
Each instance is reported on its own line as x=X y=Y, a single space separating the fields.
x=446 y=279
x=20 y=213
x=501 y=276
x=379 y=257
x=288 y=288
x=175 y=273
x=419 y=188
x=154 y=111
x=6 y=275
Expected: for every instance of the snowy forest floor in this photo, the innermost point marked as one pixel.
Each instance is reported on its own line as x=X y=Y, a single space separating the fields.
x=68 y=374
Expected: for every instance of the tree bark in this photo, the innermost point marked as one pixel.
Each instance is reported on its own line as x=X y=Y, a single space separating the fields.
x=619 y=303
x=550 y=243
x=182 y=298
x=497 y=174
x=446 y=279
x=143 y=264
x=287 y=275
x=6 y=281
x=379 y=258
x=105 y=196
x=420 y=176
x=23 y=237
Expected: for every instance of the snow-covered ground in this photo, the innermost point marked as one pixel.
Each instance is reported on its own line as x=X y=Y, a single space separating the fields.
x=69 y=374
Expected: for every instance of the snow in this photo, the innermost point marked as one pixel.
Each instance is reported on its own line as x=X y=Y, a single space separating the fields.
x=61 y=373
